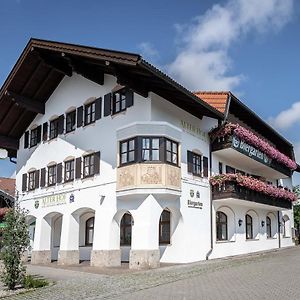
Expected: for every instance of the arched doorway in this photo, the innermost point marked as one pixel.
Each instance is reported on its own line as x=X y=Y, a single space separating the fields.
x=125 y=236
x=56 y=225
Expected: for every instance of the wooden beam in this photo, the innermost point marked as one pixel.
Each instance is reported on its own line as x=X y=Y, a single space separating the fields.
x=10 y=143
x=27 y=103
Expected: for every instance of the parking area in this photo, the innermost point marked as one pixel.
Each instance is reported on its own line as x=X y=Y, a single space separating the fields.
x=272 y=275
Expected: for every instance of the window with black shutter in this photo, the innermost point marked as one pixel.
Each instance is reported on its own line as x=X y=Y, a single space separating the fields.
x=230 y=170
x=37 y=179
x=107 y=104
x=119 y=101
x=171 y=152
x=79 y=116
x=89 y=165
x=78 y=168
x=59 y=173
x=53 y=129
x=69 y=170
x=98 y=102
x=31 y=180
x=194 y=163
x=220 y=168
x=70 y=121
x=90 y=113
x=33 y=137
x=52 y=172
x=61 y=121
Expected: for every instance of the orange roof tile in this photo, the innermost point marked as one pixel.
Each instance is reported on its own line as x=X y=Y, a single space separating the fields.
x=218 y=100
x=8 y=185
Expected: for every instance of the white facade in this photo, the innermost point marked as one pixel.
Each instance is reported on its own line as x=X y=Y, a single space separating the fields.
x=61 y=211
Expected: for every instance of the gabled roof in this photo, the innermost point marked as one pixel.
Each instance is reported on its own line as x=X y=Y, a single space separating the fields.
x=226 y=103
x=43 y=64
x=8 y=185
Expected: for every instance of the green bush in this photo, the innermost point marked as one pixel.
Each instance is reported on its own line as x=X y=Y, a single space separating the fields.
x=31 y=282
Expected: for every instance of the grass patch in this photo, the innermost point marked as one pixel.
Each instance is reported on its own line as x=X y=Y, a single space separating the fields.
x=33 y=282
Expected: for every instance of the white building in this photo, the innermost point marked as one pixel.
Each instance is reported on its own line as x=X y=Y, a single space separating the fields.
x=114 y=160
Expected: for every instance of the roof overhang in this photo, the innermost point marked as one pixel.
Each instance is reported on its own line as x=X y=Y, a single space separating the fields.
x=43 y=64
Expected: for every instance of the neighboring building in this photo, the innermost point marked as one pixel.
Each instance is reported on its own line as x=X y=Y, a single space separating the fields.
x=7 y=194
x=115 y=162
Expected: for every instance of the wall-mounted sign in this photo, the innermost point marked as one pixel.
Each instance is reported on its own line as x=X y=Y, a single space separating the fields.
x=36 y=204
x=195 y=204
x=192 y=193
x=72 y=198
x=194 y=130
x=53 y=200
x=250 y=151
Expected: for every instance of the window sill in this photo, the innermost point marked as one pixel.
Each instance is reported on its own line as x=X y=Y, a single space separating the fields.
x=286 y=237
x=251 y=240
x=271 y=238
x=224 y=242
x=69 y=132
x=113 y=114
x=89 y=124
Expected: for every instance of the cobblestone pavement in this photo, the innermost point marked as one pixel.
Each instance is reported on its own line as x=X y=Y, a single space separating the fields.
x=273 y=275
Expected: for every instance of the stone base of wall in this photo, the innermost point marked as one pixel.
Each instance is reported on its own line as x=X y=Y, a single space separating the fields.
x=68 y=257
x=106 y=258
x=144 y=259
x=41 y=257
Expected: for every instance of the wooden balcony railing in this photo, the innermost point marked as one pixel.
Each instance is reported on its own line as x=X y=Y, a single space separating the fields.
x=235 y=191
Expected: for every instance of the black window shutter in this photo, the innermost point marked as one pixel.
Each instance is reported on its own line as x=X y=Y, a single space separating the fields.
x=24 y=182
x=205 y=166
x=61 y=121
x=98 y=108
x=79 y=116
x=190 y=161
x=78 y=168
x=138 y=147
x=43 y=177
x=45 y=131
x=230 y=170
x=59 y=173
x=129 y=98
x=39 y=133
x=37 y=179
x=26 y=139
x=97 y=163
x=107 y=105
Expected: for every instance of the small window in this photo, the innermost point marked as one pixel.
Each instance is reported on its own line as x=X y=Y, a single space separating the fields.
x=125 y=230
x=89 y=231
x=119 y=101
x=53 y=129
x=52 y=175
x=71 y=121
x=230 y=170
x=127 y=151
x=249 y=227
x=88 y=165
x=221 y=222
x=269 y=227
x=34 y=137
x=90 y=113
x=31 y=181
x=69 y=170
x=165 y=227
x=150 y=149
x=171 y=152
x=195 y=163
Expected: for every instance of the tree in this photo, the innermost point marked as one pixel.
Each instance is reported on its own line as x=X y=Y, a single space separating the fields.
x=15 y=242
x=296 y=190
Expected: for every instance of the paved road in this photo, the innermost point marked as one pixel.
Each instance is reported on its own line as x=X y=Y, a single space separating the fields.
x=274 y=275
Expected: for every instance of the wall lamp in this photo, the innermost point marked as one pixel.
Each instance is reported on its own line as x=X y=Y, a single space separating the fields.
x=240 y=222
x=262 y=223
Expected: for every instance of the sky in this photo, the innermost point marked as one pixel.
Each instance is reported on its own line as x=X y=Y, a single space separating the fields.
x=251 y=48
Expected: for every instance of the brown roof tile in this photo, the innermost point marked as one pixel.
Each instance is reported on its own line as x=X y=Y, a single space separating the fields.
x=8 y=185
x=218 y=100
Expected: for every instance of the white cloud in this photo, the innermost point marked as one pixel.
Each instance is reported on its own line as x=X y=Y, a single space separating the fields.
x=287 y=118
x=203 y=61
x=148 y=51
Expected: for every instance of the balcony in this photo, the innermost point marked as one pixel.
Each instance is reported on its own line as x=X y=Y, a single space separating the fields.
x=229 y=146
x=154 y=176
x=234 y=190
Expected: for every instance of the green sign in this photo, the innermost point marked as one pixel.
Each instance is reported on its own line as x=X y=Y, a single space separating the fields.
x=250 y=151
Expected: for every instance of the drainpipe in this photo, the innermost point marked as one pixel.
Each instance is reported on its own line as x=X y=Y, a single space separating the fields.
x=211 y=206
x=279 y=241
